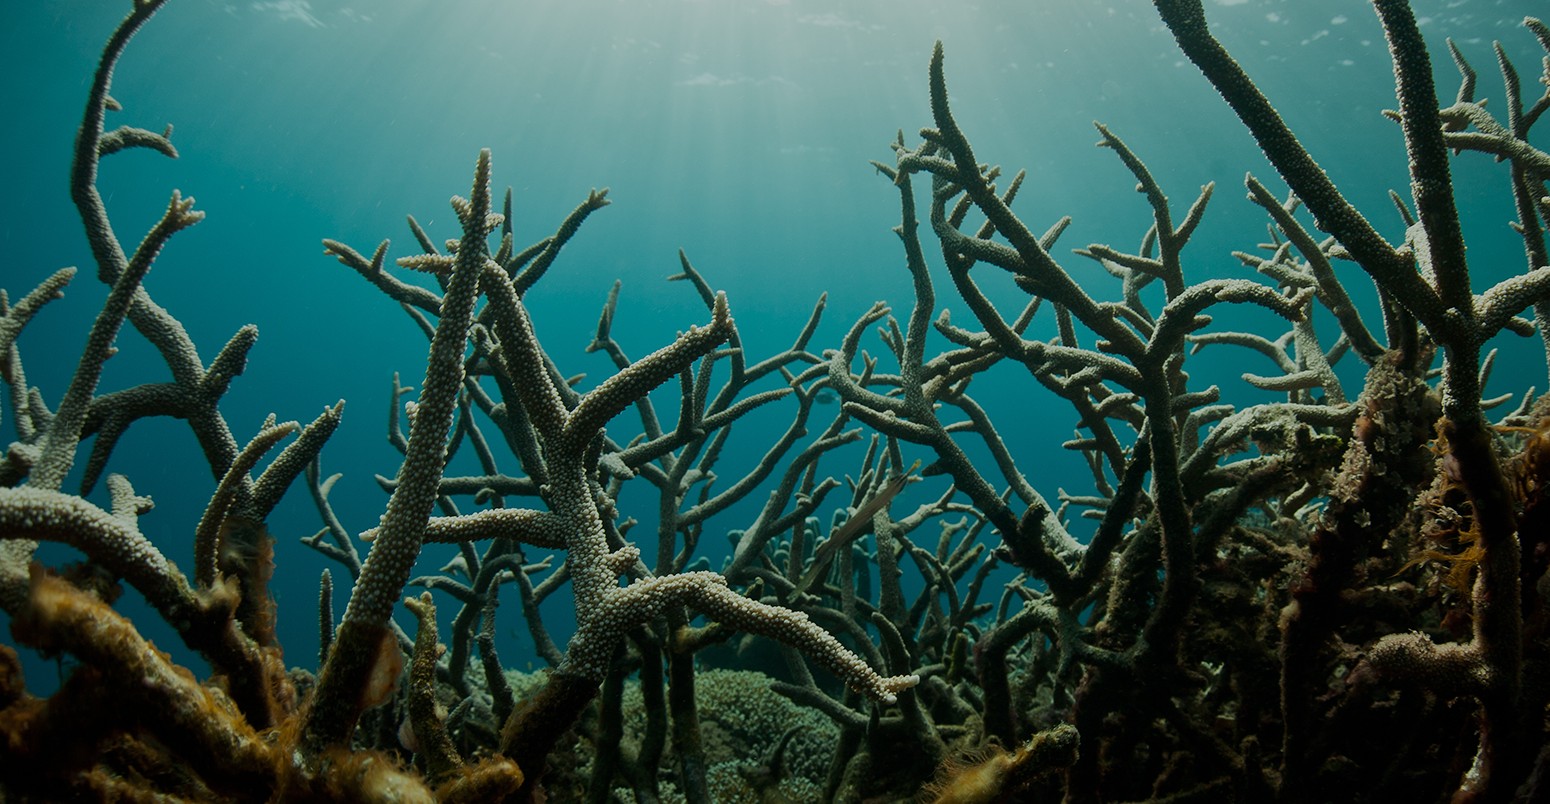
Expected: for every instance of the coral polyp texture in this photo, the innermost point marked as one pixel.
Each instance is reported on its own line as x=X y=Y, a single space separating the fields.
x=1337 y=593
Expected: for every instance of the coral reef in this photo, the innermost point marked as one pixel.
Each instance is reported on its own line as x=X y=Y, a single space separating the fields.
x=1331 y=596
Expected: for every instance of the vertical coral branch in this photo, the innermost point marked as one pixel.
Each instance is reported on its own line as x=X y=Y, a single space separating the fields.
x=337 y=704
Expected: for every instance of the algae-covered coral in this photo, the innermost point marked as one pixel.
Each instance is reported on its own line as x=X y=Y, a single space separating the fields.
x=1335 y=594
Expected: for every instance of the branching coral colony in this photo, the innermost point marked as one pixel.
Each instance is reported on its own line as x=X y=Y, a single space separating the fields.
x=1334 y=597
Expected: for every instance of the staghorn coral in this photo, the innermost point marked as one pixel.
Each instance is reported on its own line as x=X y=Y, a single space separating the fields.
x=225 y=612
x=1251 y=617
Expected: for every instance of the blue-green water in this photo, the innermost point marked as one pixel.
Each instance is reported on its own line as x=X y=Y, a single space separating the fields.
x=738 y=131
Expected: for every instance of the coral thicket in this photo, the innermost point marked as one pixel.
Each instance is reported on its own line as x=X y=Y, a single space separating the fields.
x=1338 y=593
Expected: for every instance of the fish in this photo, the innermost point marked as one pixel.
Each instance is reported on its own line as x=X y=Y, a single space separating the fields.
x=854 y=528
